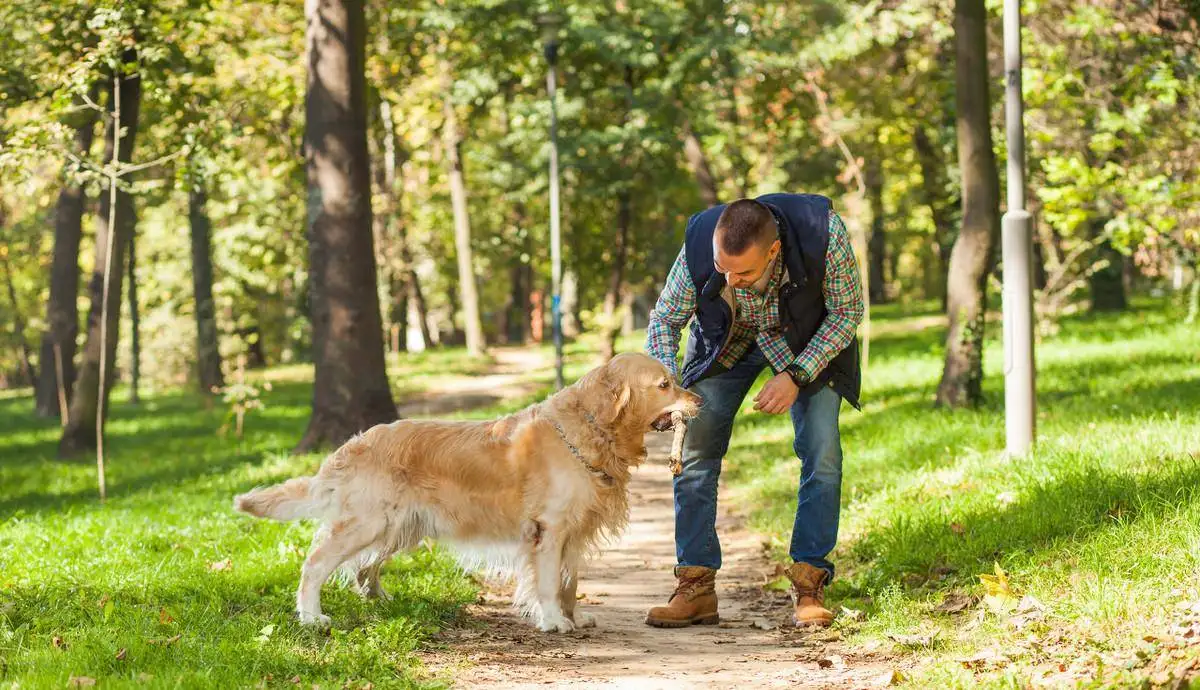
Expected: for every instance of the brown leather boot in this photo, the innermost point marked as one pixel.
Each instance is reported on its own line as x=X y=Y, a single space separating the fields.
x=808 y=588
x=694 y=601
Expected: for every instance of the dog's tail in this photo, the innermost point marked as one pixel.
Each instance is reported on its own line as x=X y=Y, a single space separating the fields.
x=291 y=500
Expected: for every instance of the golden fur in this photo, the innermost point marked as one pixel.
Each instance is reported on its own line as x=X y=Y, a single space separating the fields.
x=507 y=494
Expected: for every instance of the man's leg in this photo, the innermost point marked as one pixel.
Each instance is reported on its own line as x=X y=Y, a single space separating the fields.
x=818 y=444
x=697 y=551
x=814 y=533
x=704 y=446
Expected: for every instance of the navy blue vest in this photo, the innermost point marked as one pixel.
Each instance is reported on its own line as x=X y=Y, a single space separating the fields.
x=803 y=221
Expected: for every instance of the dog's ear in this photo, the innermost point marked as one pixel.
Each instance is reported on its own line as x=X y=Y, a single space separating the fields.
x=621 y=393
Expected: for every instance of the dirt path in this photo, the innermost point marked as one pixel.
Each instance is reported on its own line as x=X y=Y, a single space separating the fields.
x=509 y=377
x=493 y=649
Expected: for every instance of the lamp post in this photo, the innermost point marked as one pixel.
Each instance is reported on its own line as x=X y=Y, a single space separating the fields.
x=1019 y=392
x=550 y=23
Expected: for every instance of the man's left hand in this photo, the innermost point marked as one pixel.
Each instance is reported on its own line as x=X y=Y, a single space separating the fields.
x=777 y=396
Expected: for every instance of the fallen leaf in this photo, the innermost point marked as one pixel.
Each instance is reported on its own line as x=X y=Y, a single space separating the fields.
x=264 y=635
x=164 y=618
x=295 y=680
x=955 y=603
x=926 y=640
x=763 y=624
x=828 y=636
x=988 y=657
x=144 y=677
x=169 y=641
x=824 y=663
x=220 y=565
x=999 y=594
x=81 y=681
x=121 y=654
x=851 y=614
x=957 y=528
x=892 y=677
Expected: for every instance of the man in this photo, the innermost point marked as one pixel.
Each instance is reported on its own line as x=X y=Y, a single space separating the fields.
x=771 y=281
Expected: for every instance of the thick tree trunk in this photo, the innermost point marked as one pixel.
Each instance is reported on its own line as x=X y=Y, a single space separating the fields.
x=135 y=323
x=972 y=255
x=87 y=411
x=693 y=151
x=616 y=277
x=468 y=293
x=876 y=242
x=350 y=392
x=62 y=309
x=208 y=351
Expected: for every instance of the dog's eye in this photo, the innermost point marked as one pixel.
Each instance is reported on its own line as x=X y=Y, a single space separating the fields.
x=664 y=384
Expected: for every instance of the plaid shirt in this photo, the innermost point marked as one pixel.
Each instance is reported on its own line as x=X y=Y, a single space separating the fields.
x=756 y=315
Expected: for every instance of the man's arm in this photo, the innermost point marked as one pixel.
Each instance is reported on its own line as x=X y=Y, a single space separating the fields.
x=843 y=302
x=670 y=314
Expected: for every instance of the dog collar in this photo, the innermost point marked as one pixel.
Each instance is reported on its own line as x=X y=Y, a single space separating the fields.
x=603 y=476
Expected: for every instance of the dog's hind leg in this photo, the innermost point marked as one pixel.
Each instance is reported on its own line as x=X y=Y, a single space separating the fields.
x=346 y=538
x=368 y=582
x=567 y=592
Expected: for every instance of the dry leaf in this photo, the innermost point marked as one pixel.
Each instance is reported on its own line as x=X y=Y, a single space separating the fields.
x=295 y=680
x=824 y=663
x=57 y=642
x=892 y=677
x=957 y=528
x=999 y=594
x=955 y=603
x=989 y=657
x=169 y=641
x=121 y=654
x=164 y=618
x=915 y=640
x=81 y=681
x=220 y=565
x=763 y=624
x=851 y=614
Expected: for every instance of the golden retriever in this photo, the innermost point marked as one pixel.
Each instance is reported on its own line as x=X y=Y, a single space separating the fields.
x=529 y=494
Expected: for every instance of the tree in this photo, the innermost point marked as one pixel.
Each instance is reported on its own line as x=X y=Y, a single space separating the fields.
x=208 y=354
x=351 y=391
x=57 y=375
x=114 y=227
x=972 y=256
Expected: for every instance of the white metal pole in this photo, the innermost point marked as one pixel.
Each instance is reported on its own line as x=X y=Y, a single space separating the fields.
x=1016 y=245
x=555 y=230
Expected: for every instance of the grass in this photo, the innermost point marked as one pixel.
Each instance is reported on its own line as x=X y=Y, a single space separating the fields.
x=1101 y=524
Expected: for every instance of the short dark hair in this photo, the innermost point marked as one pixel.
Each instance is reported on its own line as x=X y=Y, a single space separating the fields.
x=745 y=223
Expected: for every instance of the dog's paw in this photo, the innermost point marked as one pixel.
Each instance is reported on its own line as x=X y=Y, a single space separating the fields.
x=585 y=620
x=316 y=620
x=558 y=623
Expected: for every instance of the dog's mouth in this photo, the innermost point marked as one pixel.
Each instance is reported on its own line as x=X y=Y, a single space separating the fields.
x=662 y=422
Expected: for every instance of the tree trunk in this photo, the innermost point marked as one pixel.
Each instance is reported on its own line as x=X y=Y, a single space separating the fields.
x=350 y=391
x=693 y=151
x=89 y=409
x=135 y=320
x=53 y=395
x=616 y=277
x=1107 y=285
x=468 y=293
x=18 y=322
x=876 y=242
x=208 y=351
x=972 y=255
x=933 y=190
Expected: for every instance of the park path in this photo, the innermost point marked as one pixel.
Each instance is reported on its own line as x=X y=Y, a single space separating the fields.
x=752 y=647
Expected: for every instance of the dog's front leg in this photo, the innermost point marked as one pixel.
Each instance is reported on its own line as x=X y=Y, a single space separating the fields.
x=548 y=581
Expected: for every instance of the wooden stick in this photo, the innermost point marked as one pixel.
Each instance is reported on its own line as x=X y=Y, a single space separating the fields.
x=675 y=461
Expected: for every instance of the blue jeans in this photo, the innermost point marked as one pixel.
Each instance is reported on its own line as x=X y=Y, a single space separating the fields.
x=817 y=444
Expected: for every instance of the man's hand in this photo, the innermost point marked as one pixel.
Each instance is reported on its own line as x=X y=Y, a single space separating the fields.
x=777 y=396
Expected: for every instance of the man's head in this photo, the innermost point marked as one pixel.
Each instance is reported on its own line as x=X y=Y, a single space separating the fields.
x=745 y=242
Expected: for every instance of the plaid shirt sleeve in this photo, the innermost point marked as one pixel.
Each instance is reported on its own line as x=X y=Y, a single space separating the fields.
x=670 y=314
x=843 y=301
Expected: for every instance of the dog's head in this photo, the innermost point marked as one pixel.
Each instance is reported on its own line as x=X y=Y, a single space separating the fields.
x=643 y=392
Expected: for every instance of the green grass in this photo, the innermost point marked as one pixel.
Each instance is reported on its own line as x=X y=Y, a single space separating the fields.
x=1101 y=524
x=137 y=574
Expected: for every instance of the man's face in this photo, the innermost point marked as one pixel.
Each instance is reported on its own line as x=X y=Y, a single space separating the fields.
x=743 y=270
